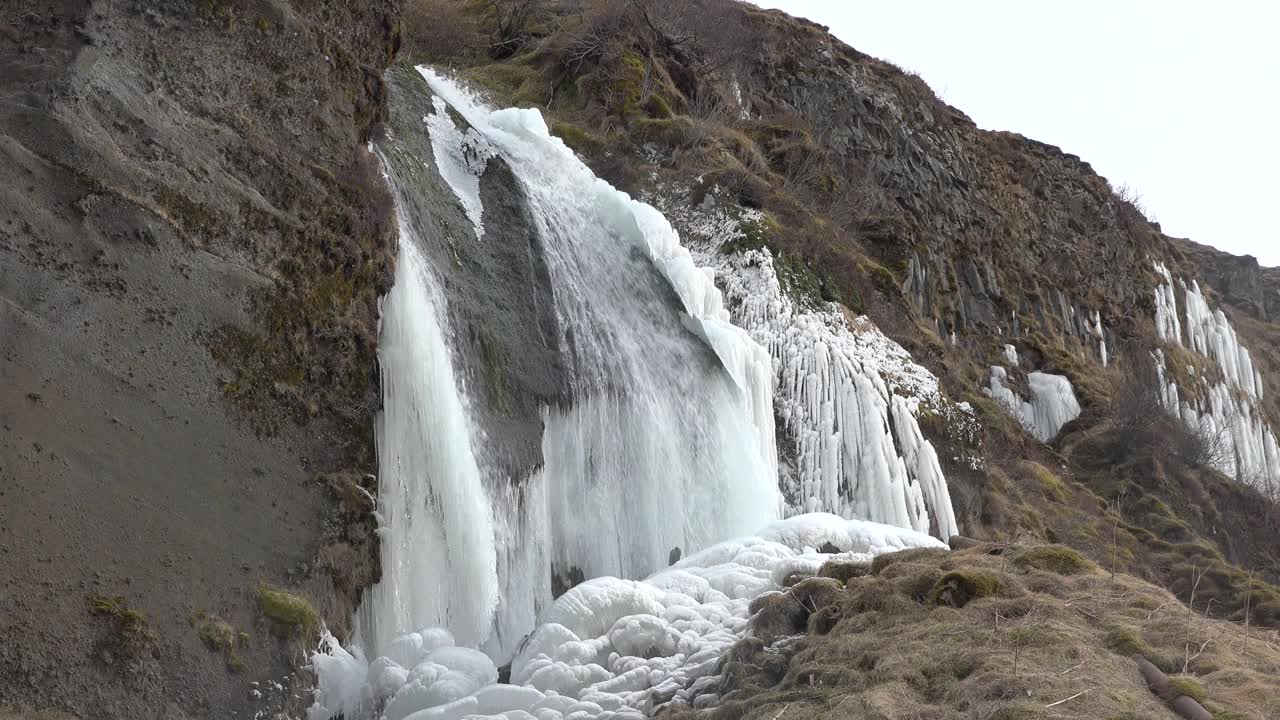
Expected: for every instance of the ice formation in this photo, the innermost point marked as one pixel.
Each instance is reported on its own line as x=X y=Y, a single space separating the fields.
x=846 y=394
x=461 y=156
x=608 y=648
x=1229 y=413
x=667 y=440
x=1053 y=401
x=437 y=530
x=1011 y=355
x=631 y=472
x=1096 y=329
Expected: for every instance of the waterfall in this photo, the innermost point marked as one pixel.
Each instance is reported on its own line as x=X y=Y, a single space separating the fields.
x=662 y=446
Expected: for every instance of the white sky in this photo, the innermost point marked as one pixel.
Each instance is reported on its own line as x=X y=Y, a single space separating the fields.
x=1180 y=100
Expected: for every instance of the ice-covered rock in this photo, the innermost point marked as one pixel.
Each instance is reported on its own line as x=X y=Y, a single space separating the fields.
x=853 y=449
x=1228 y=413
x=608 y=648
x=1053 y=401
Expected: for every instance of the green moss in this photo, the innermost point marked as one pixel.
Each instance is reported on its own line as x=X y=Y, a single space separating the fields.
x=1055 y=559
x=131 y=621
x=578 y=139
x=1125 y=641
x=216 y=633
x=287 y=610
x=958 y=587
x=220 y=636
x=1048 y=483
x=510 y=80
x=805 y=286
x=752 y=235
x=657 y=107
x=1189 y=687
x=883 y=279
x=129 y=625
x=627 y=85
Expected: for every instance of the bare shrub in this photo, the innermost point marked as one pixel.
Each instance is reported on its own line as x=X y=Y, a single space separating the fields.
x=506 y=23
x=1141 y=419
x=712 y=32
x=439 y=30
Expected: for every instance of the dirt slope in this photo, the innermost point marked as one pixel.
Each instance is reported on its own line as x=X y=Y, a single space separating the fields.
x=162 y=429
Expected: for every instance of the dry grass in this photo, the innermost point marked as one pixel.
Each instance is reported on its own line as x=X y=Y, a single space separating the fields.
x=888 y=649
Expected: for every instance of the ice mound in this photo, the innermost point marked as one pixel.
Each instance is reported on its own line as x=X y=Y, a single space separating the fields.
x=1053 y=401
x=846 y=395
x=606 y=649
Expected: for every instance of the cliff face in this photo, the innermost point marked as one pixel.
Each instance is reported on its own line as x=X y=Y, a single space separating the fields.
x=970 y=248
x=192 y=243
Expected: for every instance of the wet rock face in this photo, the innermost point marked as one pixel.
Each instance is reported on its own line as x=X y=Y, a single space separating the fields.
x=191 y=251
x=497 y=289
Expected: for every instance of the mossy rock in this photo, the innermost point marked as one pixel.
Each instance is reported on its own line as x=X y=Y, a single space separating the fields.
x=1055 y=559
x=220 y=636
x=843 y=570
x=1125 y=641
x=287 y=611
x=132 y=622
x=958 y=587
x=1047 y=481
x=1189 y=687
x=881 y=562
x=578 y=139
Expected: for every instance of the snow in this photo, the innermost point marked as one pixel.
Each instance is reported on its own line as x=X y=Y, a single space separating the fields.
x=1053 y=401
x=461 y=157
x=607 y=648
x=836 y=381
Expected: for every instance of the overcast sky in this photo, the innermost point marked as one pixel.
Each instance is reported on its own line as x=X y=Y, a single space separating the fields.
x=1180 y=100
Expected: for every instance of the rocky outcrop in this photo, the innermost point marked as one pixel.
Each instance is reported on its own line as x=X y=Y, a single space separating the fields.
x=192 y=242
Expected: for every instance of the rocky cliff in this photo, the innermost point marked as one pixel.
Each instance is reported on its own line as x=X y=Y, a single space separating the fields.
x=193 y=242
x=972 y=249
x=195 y=235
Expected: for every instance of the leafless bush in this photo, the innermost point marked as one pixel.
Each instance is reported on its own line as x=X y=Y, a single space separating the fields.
x=439 y=30
x=708 y=35
x=711 y=31
x=1141 y=419
x=1129 y=195
x=506 y=22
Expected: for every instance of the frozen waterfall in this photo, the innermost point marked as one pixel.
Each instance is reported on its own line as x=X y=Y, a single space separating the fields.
x=665 y=441
x=1229 y=412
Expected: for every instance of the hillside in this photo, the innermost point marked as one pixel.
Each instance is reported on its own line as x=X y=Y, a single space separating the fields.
x=306 y=341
